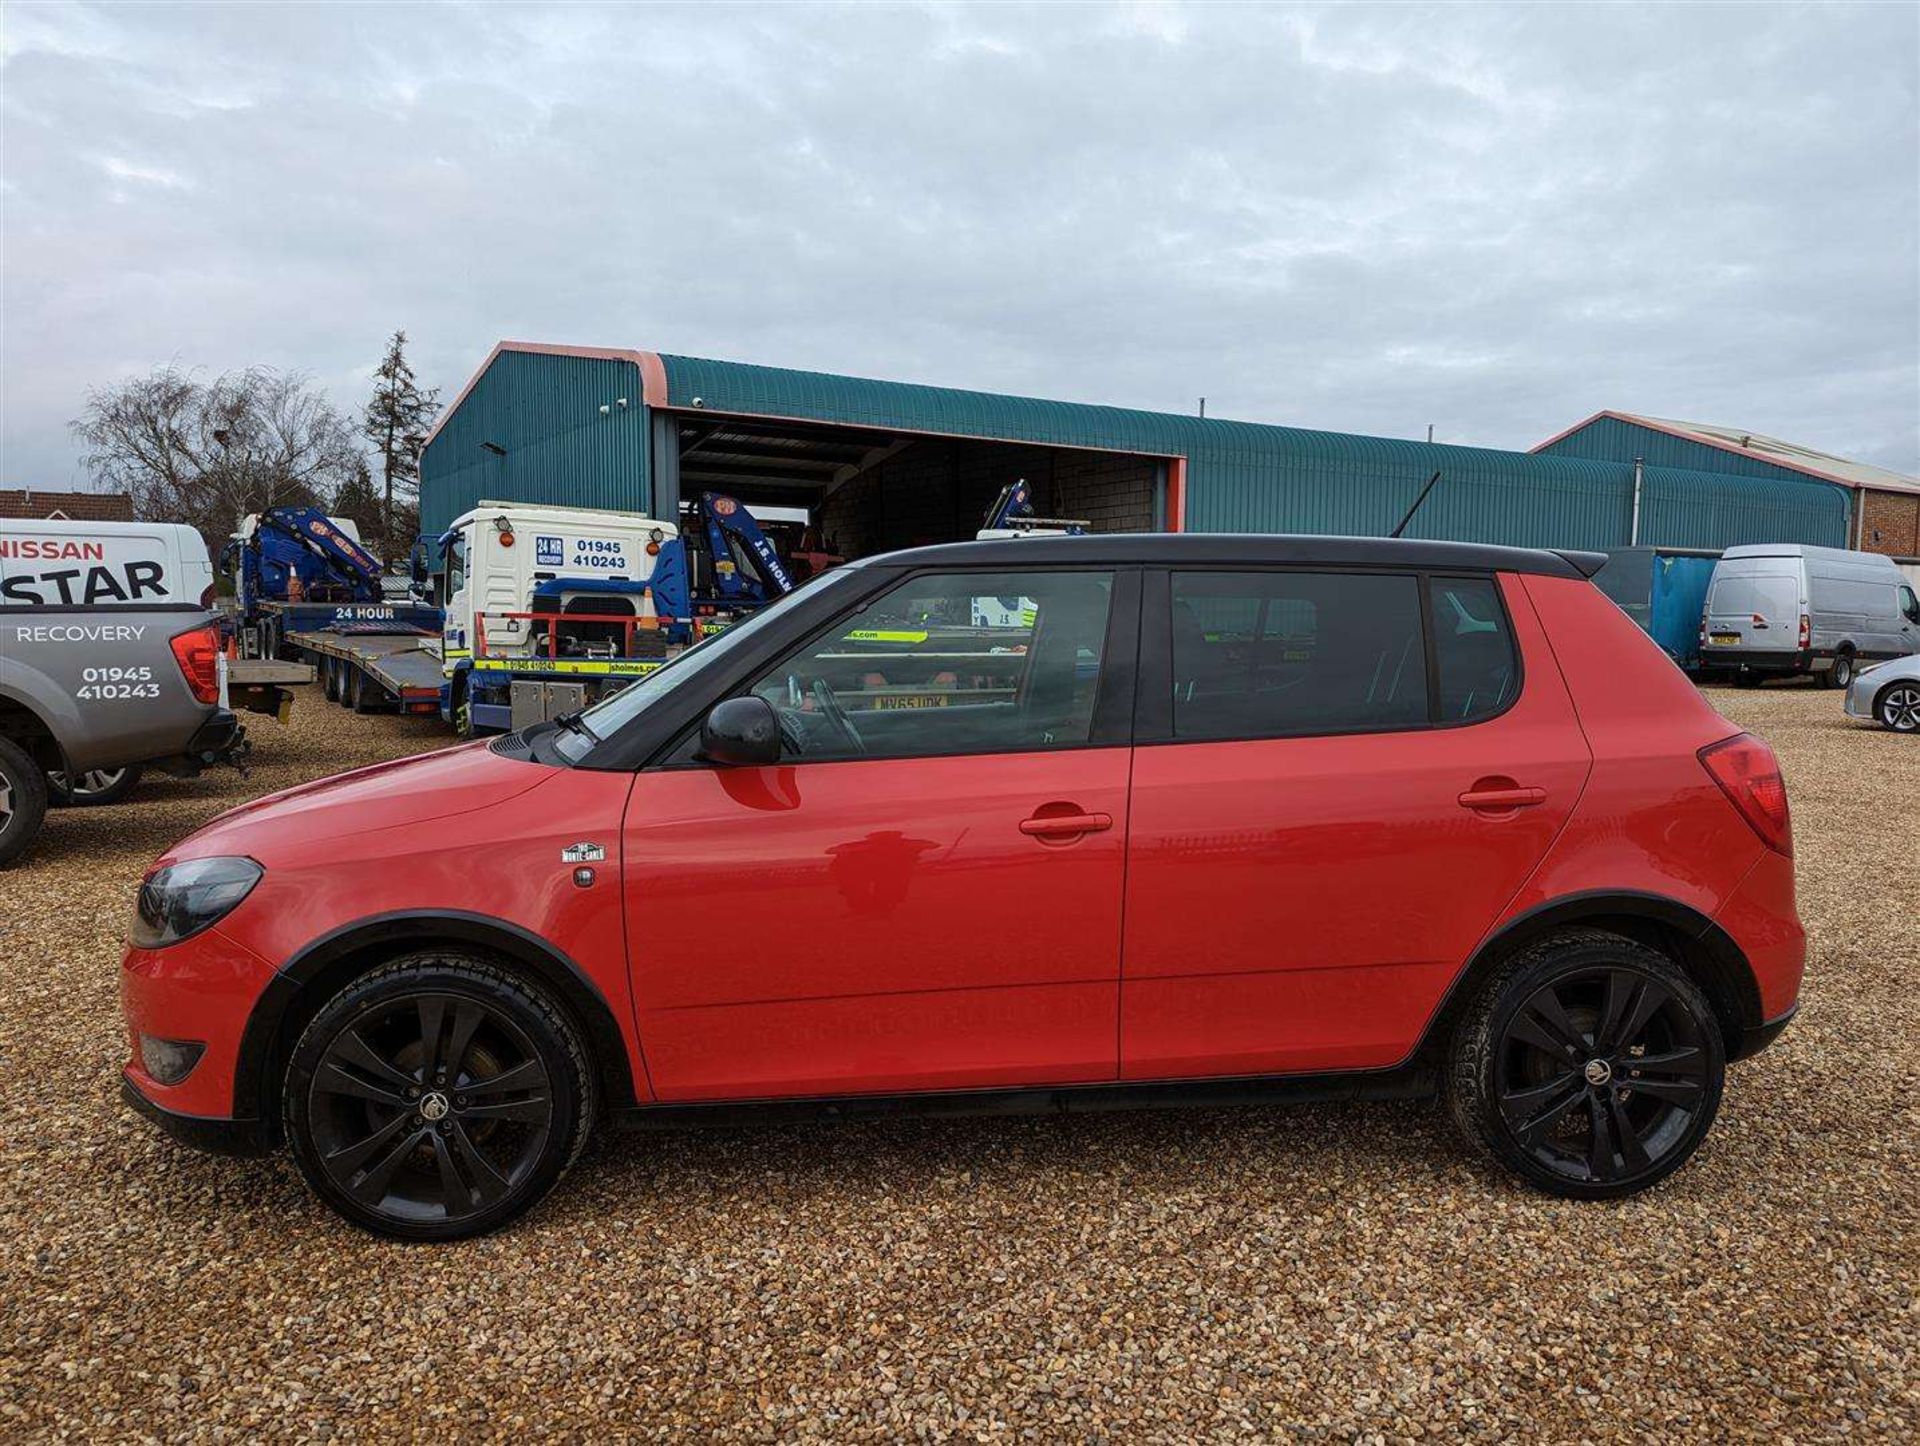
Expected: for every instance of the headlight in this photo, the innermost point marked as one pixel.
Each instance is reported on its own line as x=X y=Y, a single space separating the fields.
x=176 y=903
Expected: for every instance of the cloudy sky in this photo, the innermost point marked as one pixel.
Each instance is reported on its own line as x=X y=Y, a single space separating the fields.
x=1496 y=220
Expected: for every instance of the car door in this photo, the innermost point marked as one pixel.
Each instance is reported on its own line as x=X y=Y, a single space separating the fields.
x=1341 y=779
x=925 y=892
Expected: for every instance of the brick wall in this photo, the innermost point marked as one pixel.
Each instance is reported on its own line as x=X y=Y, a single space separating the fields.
x=936 y=490
x=1896 y=517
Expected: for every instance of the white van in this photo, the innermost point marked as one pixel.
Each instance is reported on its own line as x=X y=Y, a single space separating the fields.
x=1793 y=608
x=57 y=563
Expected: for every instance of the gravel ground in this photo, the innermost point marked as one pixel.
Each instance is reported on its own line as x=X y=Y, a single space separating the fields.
x=1339 y=1271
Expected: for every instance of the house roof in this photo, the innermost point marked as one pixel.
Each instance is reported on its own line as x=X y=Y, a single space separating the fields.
x=31 y=502
x=1745 y=442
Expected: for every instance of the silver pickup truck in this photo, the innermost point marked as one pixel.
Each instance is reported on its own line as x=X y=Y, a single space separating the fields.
x=109 y=658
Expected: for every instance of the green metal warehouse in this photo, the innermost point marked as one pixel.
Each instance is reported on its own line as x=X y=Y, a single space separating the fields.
x=880 y=464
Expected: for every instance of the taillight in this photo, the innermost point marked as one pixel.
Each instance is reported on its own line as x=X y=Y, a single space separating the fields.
x=1806 y=631
x=1749 y=775
x=198 y=654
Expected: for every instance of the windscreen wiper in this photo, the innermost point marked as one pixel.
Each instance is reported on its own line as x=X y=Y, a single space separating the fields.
x=574 y=723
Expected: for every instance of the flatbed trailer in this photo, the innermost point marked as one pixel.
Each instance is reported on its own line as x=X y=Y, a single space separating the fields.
x=259 y=685
x=268 y=632
x=373 y=672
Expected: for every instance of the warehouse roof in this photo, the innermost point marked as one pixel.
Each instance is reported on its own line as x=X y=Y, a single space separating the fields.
x=1745 y=442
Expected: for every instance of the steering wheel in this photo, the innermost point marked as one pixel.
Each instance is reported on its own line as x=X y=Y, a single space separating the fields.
x=831 y=710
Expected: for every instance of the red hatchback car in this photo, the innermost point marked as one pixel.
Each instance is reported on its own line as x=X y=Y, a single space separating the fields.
x=1049 y=823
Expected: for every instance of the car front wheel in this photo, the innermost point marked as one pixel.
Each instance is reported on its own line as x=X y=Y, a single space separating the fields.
x=1589 y=1065
x=437 y=1097
x=1898 y=707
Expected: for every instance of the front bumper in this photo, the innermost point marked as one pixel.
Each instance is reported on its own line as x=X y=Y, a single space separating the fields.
x=201 y=990
x=214 y=1135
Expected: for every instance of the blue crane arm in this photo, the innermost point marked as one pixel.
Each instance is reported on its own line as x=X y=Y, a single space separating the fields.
x=725 y=517
x=304 y=542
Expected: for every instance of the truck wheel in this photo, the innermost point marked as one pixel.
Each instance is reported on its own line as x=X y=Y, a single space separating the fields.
x=94 y=788
x=438 y=1097
x=23 y=800
x=368 y=696
x=330 y=677
x=1588 y=1065
x=1841 y=673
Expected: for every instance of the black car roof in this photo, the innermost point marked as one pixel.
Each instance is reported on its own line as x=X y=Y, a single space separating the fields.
x=1178 y=548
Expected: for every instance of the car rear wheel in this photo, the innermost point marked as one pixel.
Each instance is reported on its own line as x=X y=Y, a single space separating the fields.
x=1589 y=1065
x=23 y=800
x=1898 y=707
x=94 y=788
x=437 y=1098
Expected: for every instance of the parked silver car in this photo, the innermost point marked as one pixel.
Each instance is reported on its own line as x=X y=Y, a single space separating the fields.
x=1889 y=694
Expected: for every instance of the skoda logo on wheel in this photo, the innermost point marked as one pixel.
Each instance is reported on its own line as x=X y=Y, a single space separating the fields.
x=1598 y=1072
x=434 y=1106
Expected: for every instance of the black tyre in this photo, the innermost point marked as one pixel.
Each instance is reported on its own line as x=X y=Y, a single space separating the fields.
x=330 y=677
x=1841 y=673
x=368 y=696
x=1898 y=706
x=23 y=800
x=436 y=1098
x=462 y=710
x=1589 y=1065
x=94 y=788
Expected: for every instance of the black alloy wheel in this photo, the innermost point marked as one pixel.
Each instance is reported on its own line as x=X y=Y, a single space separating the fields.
x=1898 y=707
x=437 y=1098
x=1592 y=1066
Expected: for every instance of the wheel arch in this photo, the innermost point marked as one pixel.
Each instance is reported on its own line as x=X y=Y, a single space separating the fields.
x=304 y=984
x=21 y=721
x=1684 y=934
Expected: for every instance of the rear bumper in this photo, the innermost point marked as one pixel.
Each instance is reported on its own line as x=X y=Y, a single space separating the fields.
x=215 y=1136
x=1758 y=1036
x=1767 y=660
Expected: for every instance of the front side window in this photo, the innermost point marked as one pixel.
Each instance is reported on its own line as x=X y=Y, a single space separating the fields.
x=949 y=663
x=1272 y=654
x=1909 y=604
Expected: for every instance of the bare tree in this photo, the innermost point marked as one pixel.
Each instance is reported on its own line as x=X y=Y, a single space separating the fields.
x=397 y=420
x=209 y=453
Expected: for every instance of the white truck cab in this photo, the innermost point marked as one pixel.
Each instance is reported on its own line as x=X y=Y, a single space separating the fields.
x=500 y=554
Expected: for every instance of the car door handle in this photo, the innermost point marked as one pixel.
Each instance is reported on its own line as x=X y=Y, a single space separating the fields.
x=1058 y=825
x=1502 y=797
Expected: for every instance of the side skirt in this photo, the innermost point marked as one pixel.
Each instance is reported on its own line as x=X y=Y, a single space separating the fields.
x=1408 y=1082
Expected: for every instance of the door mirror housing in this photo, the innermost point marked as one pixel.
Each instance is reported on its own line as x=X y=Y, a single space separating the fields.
x=741 y=733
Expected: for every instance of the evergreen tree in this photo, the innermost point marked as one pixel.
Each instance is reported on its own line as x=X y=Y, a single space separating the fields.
x=355 y=498
x=397 y=419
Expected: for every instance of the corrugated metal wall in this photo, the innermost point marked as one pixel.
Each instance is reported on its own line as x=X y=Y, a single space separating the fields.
x=1241 y=476
x=545 y=411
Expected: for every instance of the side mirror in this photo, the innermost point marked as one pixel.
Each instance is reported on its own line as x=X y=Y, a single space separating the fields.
x=741 y=733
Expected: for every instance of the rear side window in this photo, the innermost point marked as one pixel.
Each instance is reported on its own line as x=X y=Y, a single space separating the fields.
x=1265 y=654
x=1473 y=648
